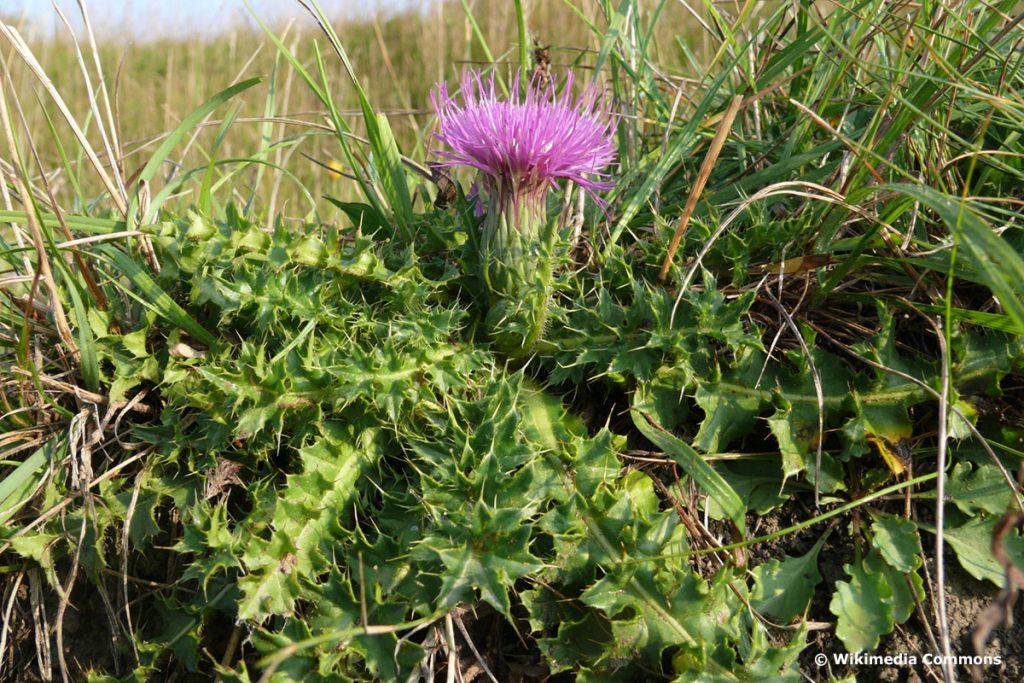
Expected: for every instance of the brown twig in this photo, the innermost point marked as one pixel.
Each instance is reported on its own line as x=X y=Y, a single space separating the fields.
x=696 y=530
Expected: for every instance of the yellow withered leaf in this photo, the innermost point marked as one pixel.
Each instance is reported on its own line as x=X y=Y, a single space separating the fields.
x=896 y=454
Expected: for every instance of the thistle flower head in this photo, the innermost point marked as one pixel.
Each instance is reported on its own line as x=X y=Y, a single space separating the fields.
x=522 y=146
x=527 y=142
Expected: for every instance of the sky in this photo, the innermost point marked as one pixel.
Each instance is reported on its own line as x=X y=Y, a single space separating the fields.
x=139 y=18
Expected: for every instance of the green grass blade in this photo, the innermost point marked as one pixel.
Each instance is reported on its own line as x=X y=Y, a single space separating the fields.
x=323 y=94
x=665 y=163
x=488 y=56
x=525 y=63
x=690 y=461
x=996 y=262
x=89 y=363
x=169 y=143
x=17 y=486
x=267 y=127
x=382 y=141
x=86 y=224
x=153 y=297
x=204 y=189
x=69 y=169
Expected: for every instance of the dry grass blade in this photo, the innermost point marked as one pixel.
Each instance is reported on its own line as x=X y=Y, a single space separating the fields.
x=839 y=136
x=43 y=269
x=941 y=612
x=52 y=512
x=86 y=271
x=22 y=49
x=78 y=392
x=8 y=621
x=702 y=178
x=41 y=625
x=65 y=600
x=112 y=124
x=125 y=543
x=453 y=670
x=19 y=236
x=472 y=648
x=818 y=391
x=103 y=119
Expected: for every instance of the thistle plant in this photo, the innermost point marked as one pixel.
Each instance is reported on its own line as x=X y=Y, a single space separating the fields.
x=522 y=147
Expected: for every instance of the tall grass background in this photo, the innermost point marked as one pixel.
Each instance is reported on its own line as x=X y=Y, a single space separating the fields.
x=399 y=57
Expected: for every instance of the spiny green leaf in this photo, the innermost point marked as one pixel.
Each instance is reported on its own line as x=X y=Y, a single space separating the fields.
x=273 y=584
x=494 y=556
x=727 y=416
x=38 y=547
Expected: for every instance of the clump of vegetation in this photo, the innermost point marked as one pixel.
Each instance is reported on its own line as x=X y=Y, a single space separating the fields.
x=281 y=441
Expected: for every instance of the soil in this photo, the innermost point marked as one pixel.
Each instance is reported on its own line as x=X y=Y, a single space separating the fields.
x=87 y=641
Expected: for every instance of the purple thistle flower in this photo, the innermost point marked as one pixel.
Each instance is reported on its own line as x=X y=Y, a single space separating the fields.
x=525 y=144
x=522 y=146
